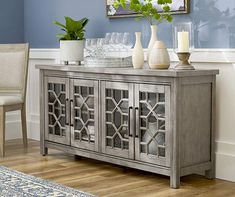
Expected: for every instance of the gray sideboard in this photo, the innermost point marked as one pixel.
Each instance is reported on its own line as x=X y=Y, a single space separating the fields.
x=161 y=121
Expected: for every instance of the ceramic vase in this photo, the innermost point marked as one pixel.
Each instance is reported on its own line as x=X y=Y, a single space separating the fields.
x=153 y=39
x=71 y=51
x=159 y=57
x=138 y=53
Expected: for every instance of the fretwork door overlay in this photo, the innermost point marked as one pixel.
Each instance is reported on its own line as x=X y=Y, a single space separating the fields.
x=152 y=123
x=57 y=94
x=84 y=114
x=117 y=108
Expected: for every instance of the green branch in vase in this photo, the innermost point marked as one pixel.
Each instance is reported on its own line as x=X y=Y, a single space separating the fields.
x=152 y=10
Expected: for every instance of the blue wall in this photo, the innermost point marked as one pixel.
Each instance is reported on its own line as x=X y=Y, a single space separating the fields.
x=39 y=15
x=214 y=22
x=11 y=21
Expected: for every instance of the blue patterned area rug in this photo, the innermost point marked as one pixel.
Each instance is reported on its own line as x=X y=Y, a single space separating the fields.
x=16 y=184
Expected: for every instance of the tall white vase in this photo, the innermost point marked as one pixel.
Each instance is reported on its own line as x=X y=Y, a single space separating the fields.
x=138 y=53
x=153 y=39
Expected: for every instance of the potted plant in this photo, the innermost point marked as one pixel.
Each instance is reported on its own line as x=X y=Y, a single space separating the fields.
x=72 y=40
x=152 y=10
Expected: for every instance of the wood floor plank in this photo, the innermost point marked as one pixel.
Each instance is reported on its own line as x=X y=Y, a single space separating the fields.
x=103 y=179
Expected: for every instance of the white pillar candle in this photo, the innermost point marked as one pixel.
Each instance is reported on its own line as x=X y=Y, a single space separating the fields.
x=183 y=42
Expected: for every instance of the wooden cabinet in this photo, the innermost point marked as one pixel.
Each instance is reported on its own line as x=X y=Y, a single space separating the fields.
x=154 y=120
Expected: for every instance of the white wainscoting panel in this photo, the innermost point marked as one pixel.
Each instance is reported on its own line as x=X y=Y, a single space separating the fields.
x=223 y=59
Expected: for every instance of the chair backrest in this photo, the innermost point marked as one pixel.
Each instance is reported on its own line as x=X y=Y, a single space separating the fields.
x=14 y=68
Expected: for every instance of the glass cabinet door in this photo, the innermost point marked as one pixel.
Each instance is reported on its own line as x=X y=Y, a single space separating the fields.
x=84 y=114
x=117 y=119
x=152 y=127
x=56 y=97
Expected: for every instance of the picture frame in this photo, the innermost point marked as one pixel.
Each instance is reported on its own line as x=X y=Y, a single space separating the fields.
x=178 y=7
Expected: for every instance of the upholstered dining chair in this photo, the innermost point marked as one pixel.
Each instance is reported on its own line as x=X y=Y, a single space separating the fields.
x=13 y=84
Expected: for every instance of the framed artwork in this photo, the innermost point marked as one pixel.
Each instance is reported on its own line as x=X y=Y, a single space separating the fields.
x=177 y=7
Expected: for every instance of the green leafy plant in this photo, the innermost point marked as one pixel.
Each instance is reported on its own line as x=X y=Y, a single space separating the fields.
x=148 y=9
x=74 y=30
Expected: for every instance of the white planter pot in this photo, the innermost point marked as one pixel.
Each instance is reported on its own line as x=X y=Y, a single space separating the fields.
x=71 y=50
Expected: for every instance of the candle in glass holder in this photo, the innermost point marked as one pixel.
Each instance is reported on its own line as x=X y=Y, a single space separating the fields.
x=183 y=42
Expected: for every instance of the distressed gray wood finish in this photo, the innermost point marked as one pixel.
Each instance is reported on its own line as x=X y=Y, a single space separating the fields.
x=128 y=152
x=60 y=130
x=140 y=130
x=189 y=117
x=194 y=146
x=43 y=148
x=211 y=172
x=87 y=114
x=128 y=71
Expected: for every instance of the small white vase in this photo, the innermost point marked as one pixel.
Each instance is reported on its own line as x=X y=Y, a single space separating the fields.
x=138 y=53
x=71 y=50
x=153 y=39
x=159 y=57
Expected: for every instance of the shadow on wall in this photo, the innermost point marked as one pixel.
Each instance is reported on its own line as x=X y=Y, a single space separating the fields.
x=214 y=22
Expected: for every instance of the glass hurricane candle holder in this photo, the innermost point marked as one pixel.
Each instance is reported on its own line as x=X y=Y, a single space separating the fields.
x=183 y=44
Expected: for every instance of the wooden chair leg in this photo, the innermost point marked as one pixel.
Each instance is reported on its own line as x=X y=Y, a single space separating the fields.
x=24 y=126
x=2 y=131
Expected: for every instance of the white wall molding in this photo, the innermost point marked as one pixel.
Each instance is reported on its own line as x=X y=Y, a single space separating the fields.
x=44 y=54
x=198 y=55
x=223 y=59
x=226 y=148
x=226 y=56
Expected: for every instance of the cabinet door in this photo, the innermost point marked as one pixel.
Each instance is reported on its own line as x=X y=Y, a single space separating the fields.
x=84 y=114
x=117 y=110
x=152 y=123
x=56 y=97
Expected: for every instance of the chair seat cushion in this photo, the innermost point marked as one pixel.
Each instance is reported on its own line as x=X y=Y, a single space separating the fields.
x=10 y=100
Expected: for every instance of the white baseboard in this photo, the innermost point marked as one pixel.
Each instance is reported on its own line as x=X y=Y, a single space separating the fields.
x=13 y=130
x=13 y=125
x=225 y=167
x=225 y=161
x=34 y=127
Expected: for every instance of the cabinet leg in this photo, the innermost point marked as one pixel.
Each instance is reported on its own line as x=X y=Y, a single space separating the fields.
x=175 y=182
x=44 y=151
x=210 y=174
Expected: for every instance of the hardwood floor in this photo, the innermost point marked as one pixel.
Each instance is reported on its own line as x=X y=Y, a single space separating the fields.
x=104 y=179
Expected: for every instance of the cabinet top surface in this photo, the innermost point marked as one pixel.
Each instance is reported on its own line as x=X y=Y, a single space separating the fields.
x=128 y=71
